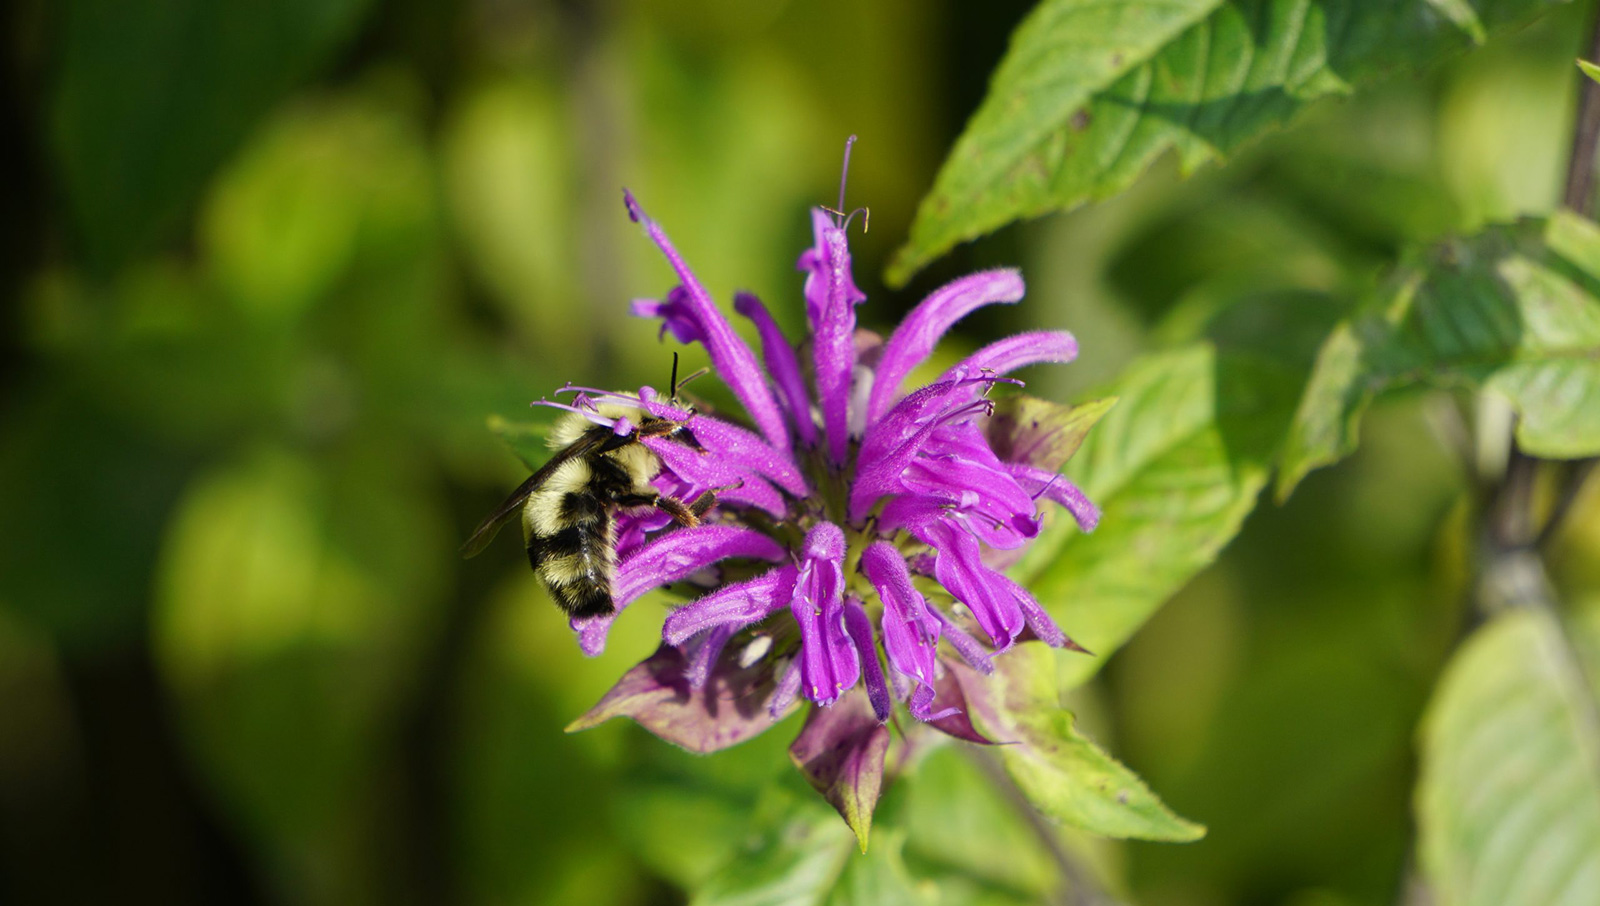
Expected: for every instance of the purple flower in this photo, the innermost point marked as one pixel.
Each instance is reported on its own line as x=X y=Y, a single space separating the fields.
x=848 y=501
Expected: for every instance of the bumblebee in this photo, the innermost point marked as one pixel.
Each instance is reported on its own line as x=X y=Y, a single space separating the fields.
x=569 y=506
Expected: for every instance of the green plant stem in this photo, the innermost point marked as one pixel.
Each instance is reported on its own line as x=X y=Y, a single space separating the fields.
x=1510 y=514
x=1081 y=888
x=1579 y=195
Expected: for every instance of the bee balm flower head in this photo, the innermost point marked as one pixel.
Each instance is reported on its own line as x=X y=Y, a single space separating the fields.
x=842 y=498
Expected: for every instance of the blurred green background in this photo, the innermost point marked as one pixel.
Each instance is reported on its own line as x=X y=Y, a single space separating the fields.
x=270 y=265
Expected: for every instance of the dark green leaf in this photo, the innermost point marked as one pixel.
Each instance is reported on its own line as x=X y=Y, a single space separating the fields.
x=1508 y=802
x=151 y=97
x=1514 y=311
x=1089 y=93
x=1175 y=467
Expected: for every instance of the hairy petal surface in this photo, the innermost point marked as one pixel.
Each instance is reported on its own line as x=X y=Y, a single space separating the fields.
x=913 y=341
x=782 y=364
x=670 y=558
x=831 y=299
x=739 y=604
x=828 y=660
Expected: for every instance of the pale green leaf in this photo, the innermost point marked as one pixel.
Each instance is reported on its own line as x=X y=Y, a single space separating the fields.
x=803 y=855
x=1175 y=467
x=1589 y=69
x=879 y=878
x=1089 y=93
x=959 y=828
x=1513 y=311
x=1508 y=802
x=1062 y=773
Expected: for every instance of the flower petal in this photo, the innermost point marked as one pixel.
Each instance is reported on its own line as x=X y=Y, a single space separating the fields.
x=910 y=632
x=670 y=558
x=782 y=364
x=733 y=360
x=831 y=299
x=739 y=604
x=681 y=553
x=859 y=626
x=913 y=341
x=959 y=568
x=841 y=751
x=970 y=649
x=787 y=690
x=1039 y=620
x=675 y=315
x=732 y=707
x=1057 y=488
x=892 y=443
x=1007 y=355
x=703 y=653
x=828 y=661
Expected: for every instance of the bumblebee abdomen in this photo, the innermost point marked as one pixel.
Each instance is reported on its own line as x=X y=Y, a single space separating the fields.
x=571 y=547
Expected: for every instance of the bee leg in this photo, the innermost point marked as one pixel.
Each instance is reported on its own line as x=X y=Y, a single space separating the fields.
x=681 y=513
x=702 y=503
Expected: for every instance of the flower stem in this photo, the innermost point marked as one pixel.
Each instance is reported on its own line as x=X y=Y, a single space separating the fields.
x=1579 y=195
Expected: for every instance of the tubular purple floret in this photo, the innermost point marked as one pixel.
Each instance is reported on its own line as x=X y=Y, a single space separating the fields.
x=732 y=358
x=734 y=605
x=589 y=414
x=782 y=364
x=859 y=628
x=914 y=340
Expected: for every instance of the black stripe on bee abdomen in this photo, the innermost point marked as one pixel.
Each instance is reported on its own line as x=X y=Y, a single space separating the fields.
x=576 y=561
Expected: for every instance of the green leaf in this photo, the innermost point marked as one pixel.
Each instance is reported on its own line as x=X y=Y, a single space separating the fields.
x=959 y=828
x=1589 y=69
x=1508 y=801
x=1062 y=773
x=1514 y=311
x=151 y=97
x=1175 y=468
x=526 y=439
x=1089 y=93
x=878 y=878
x=804 y=856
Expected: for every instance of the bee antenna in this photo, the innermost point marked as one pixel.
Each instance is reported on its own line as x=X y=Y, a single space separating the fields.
x=674 y=376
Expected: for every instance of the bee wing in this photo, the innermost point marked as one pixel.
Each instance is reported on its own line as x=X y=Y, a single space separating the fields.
x=488 y=528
